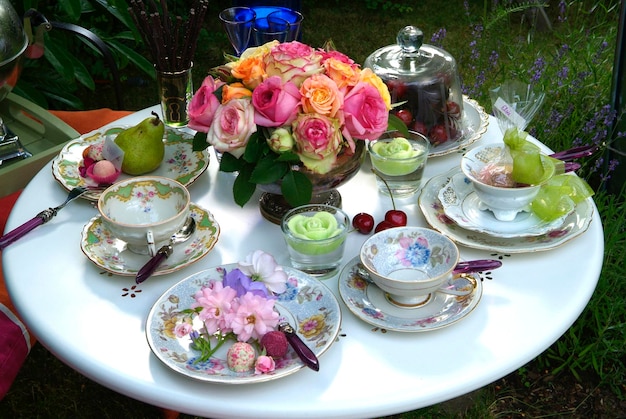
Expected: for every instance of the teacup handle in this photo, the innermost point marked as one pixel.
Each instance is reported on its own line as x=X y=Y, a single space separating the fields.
x=151 y=245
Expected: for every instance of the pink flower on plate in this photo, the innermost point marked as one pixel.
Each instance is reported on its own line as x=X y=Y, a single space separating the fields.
x=253 y=317
x=203 y=105
x=318 y=141
x=365 y=113
x=264 y=364
x=217 y=303
x=232 y=127
x=293 y=61
x=261 y=266
x=276 y=103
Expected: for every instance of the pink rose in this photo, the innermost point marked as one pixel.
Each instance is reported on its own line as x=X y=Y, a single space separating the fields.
x=318 y=141
x=293 y=61
x=365 y=112
x=233 y=124
x=275 y=103
x=203 y=105
x=264 y=364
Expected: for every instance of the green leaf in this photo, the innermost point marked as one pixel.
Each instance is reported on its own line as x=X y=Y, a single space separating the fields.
x=243 y=188
x=296 y=189
x=396 y=124
x=139 y=60
x=288 y=156
x=268 y=170
x=199 y=141
x=256 y=148
x=230 y=163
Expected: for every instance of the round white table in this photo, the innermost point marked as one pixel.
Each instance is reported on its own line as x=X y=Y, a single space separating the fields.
x=84 y=317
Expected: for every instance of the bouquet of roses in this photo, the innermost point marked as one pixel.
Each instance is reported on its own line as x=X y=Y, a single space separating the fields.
x=281 y=106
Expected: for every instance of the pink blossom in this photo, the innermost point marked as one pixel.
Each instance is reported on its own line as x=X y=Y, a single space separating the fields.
x=261 y=266
x=232 y=127
x=276 y=103
x=217 y=304
x=264 y=364
x=253 y=317
x=203 y=105
x=366 y=115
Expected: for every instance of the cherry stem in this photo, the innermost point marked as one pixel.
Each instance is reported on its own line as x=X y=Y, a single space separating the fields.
x=393 y=203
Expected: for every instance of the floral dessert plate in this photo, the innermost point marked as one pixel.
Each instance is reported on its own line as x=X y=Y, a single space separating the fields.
x=180 y=162
x=475 y=121
x=574 y=224
x=112 y=255
x=307 y=304
x=461 y=205
x=369 y=303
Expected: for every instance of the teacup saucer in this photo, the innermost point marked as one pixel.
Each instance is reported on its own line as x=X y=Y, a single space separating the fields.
x=462 y=205
x=112 y=255
x=370 y=304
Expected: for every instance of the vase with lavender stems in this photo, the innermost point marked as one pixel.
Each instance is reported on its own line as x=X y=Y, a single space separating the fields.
x=171 y=42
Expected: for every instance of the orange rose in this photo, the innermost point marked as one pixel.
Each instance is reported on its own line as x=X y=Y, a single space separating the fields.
x=235 y=91
x=250 y=70
x=321 y=95
x=344 y=74
x=369 y=77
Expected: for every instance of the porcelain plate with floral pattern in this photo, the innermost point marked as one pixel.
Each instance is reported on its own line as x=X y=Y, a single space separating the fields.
x=574 y=224
x=461 y=205
x=307 y=304
x=475 y=122
x=368 y=302
x=111 y=254
x=180 y=162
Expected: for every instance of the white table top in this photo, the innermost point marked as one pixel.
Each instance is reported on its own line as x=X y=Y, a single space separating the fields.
x=80 y=315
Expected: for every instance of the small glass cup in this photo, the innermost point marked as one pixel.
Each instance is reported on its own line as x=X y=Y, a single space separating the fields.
x=175 y=93
x=293 y=17
x=265 y=31
x=399 y=161
x=316 y=235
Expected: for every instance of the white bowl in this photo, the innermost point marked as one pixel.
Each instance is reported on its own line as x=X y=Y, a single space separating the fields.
x=409 y=263
x=504 y=202
x=144 y=211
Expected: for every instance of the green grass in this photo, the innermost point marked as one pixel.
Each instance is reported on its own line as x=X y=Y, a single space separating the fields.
x=581 y=41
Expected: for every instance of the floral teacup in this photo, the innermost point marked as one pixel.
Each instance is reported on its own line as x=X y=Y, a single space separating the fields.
x=409 y=263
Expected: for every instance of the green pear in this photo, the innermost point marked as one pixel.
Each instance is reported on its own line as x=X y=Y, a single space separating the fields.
x=143 y=146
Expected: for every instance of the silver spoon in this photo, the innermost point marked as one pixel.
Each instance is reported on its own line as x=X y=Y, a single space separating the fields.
x=39 y=219
x=165 y=251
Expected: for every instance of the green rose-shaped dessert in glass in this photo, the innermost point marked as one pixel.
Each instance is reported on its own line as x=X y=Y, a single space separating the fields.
x=399 y=162
x=315 y=236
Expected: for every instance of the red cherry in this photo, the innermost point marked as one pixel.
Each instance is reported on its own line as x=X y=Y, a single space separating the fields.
x=397 y=90
x=453 y=109
x=383 y=225
x=396 y=217
x=363 y=223
x=420 y=127
x=406 y=116
x=438 y=135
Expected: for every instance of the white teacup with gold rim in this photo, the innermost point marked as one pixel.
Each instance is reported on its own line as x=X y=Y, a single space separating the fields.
x=144 y=211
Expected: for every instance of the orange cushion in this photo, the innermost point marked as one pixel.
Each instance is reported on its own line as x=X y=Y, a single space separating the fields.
x=15 y=341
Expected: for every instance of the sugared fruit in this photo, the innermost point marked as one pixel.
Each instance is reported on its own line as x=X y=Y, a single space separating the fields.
x=275 y=344
x=241 y=357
